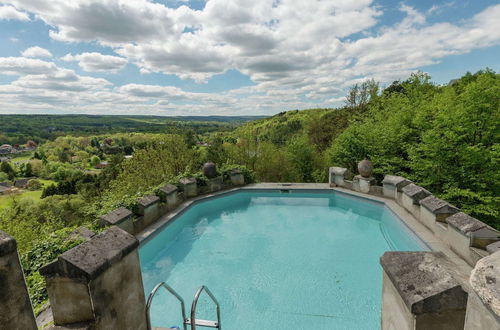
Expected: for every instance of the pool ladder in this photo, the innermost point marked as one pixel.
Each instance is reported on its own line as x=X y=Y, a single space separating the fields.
x=191 y=321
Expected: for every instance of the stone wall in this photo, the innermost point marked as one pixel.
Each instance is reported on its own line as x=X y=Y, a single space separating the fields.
x=98 y=284
x=16 y=312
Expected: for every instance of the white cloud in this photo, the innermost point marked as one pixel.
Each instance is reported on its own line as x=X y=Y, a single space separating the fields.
x=97 y=62
x=36 y=51
x=300 y=54
x=11 y=13
x=24 y=66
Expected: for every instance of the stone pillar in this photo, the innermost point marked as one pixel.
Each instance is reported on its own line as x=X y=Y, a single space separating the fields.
x=466 y=233
x=420 y=293
x=362 y=184
x=433 y=214
x=214 y=184
x=16 y=312
x=393 y=185
x=121 y=217
x=483 y=305
x=98 y=283
x=148 y=210
x=188 y=186
x=337 y=176
x=168 y=195
x=237 y=178
x=412 y=195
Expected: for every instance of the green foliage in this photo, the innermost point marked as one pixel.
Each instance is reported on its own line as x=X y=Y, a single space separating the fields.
x=7 y=168
x=42 y=252
x=444 y=138
x=34 y=184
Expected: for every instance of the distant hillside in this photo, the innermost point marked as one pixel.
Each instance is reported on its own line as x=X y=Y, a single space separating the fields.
x=320 y=125
x=19 y=128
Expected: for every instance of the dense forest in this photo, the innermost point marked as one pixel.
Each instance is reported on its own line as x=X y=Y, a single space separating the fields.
x=445 y=138
x=16 y=129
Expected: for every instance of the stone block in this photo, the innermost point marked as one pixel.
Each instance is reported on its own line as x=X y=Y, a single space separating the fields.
x=168 y=195
x=336 y=176
x=214 y=184
x=98 y=281
x=420 y=292
x=412 y=195
x=188 y=187
x=16 y=312
x=493 y=247
x=362 y=184
x=432 y=210
x=393 y=184
x=237 y=177
x=483 y=306
x=465 y=232
x=121 y=217
x=148 y=209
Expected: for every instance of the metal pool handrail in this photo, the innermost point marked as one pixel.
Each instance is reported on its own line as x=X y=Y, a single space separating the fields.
x=175 y=294
x=195 y=303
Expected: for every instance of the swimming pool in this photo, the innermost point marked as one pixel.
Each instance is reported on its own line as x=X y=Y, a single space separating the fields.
x=275 y=260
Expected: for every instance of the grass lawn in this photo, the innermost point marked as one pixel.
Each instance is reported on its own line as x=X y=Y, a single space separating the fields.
x=21 y=159
x=6 y=200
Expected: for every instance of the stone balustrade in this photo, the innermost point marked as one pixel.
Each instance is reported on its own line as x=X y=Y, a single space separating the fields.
x=16 y=312
x=237 y=178
x=121 y=217
x=147 y=210
x=419 y=291
x=337 y=176
x=393 y=186
x=98 y=284
x=168 y=195
x=412 y=195
x=189 y=187
x=483 y=305
x=433 y=214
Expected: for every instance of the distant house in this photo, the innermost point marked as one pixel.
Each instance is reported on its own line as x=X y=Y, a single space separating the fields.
x=101 y=165
x=4 y=190
x=5 y=149
x=22 y=183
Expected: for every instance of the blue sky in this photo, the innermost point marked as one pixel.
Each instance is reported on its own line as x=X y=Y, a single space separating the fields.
x=229 y=57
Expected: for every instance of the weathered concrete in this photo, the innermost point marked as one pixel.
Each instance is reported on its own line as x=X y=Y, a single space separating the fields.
x=432 y=297
x=237 y=177
x=188 y=186
x=465 y=232
x=168 y=195
x=483 y=307
x=121 y=217
x=393 y=184
x=214 y=184
x=363 y=184
x=412 y=195
x=493 y=247
x=433 y=214
x=148 y=209
x=336 y=176
x=98 y=281
x=16 y=312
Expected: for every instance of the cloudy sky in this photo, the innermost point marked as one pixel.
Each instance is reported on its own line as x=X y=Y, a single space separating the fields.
x=229 y=57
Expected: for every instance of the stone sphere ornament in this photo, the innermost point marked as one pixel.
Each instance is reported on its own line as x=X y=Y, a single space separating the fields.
x=210 y=170
x=365 y=168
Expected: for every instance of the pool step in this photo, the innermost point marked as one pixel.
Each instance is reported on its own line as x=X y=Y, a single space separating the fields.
x=193 y=322
x=204 y=323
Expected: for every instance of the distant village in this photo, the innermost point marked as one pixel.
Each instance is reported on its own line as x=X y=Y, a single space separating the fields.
x=7 y=149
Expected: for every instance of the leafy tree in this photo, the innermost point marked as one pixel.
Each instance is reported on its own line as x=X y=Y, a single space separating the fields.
x=7 y=168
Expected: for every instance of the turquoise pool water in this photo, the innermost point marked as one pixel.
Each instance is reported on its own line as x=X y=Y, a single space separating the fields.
x=277 y=260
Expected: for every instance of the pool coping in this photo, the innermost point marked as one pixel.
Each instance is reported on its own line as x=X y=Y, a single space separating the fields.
x=463 y=269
